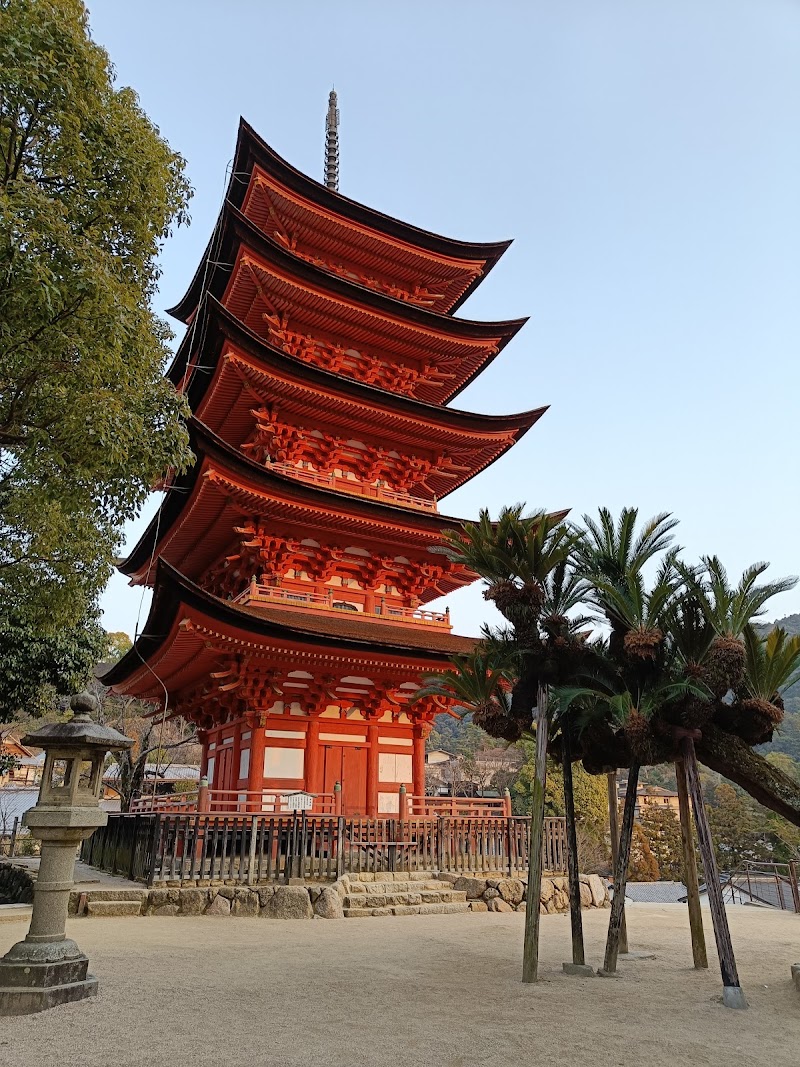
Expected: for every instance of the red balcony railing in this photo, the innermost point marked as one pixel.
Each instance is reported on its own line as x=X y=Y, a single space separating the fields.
x=384 y=611
x=345 y=485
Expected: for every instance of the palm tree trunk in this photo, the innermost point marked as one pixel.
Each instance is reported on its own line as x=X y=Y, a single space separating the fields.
x=530 y=952
x=621 y=873
x=735 y=759
x=576 y=919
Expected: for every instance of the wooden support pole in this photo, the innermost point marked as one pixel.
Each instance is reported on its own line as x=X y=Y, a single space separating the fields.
x=732 y=995
x=613 y=827
x=690 y=871
x=530 y=952
x=621 y=873
x=576 y=919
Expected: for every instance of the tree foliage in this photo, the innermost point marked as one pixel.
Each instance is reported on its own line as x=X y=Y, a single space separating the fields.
x=88 y=191
x=39 y=664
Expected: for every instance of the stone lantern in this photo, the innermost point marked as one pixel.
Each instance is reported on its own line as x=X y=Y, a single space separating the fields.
x=48 y=968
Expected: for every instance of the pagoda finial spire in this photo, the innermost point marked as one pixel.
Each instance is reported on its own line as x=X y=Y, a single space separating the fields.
x=332 y=143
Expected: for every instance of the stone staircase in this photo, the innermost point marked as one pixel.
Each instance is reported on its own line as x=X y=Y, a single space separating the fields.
x=366 y=899
x=107 y=902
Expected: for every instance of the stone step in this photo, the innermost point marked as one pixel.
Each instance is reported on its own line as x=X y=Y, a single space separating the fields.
x=99 y=908
x=382 y=888
x=414 y=898
x=115 y=894
x=452 y=908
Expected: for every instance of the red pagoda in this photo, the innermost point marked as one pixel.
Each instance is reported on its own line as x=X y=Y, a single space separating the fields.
x=292 y=564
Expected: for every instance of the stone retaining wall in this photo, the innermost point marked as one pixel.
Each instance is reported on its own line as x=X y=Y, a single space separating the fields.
x=510 y=894
x=16 y=885
x=321 y=901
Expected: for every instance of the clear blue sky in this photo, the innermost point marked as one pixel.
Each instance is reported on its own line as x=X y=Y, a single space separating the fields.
x=645 y=157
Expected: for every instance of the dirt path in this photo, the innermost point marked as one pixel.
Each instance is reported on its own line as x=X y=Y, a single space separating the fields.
x=438 y=991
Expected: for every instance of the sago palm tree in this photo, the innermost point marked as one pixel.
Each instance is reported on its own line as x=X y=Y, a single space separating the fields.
x=729 y=611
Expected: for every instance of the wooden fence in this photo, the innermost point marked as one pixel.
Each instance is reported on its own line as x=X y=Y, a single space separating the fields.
x=169 y=847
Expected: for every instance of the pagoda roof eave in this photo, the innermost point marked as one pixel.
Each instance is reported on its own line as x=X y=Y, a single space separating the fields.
x=214 y=318
x=175 y=594
x=251 y=149
x=237 y=230
x=207 y=444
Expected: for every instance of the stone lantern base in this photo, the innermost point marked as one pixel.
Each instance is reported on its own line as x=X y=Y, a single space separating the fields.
x=34 y=977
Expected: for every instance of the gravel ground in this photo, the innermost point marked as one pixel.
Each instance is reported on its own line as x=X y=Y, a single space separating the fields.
x=433 y=991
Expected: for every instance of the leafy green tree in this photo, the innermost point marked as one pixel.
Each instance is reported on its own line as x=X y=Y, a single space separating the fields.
x=88 y=191
x=40 y=664
x=734 y=829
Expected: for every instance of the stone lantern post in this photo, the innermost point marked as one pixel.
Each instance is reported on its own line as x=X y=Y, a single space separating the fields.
x=48 y=968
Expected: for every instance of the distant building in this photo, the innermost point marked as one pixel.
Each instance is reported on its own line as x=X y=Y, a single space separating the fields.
x=26 y=768
x=648 y=798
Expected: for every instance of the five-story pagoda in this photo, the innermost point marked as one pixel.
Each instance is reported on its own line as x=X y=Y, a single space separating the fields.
x=292 y=564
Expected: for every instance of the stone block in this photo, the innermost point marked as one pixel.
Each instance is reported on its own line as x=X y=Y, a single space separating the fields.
x=193 y=901
x=511 y=890
x=328 y=904
x=108 y=908
x=159 y=897
x=478 y=905
x=264 y=894
x=227 y=891
x=289 y=902
x=598 y=890
x=579 y=970
x=166 y=909
x=548 y=889
x=473 y=887
x=245 y=903
x=490 y=893
x=586 y=895
x=219 y=906
x=498 y=904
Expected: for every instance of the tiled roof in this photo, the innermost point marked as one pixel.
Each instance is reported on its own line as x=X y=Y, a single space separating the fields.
x=14 y=802
x=655 y=892
x=347 y=624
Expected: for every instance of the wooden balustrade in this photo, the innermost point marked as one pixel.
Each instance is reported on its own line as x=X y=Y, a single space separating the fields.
x=252 y=848
x=233 y=802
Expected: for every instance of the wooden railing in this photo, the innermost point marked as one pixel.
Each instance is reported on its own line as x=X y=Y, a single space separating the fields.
x=384 y=611
x=475 y=807
x=774 y=885
x=345 y=485
x=236 y=802
x=279 y=801
x=247 y=849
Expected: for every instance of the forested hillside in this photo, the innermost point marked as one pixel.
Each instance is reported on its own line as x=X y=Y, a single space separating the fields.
x=787 y=736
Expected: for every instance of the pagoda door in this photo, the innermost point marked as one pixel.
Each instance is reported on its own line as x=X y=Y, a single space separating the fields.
x=224 y=769
x=347 y=764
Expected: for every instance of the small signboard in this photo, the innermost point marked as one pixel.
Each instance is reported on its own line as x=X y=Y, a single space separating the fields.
x=298 y=801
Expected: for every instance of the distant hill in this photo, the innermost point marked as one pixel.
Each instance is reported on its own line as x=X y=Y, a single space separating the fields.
x=787 y=738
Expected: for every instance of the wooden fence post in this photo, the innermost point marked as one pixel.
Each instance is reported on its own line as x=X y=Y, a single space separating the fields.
x=794 y=885
x=12 y=850
x=203 y=799
x=621 y=874
x=690 y=871
x=507 y=802
x=340 y=845
x=732 y=995
x=578 y=965
x=530 y=951
x=613 y=826
x=337 y=798
x=403 y=804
